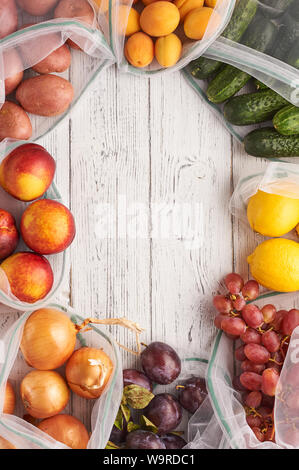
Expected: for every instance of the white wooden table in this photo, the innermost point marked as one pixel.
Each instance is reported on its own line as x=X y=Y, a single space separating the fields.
x=148 y=142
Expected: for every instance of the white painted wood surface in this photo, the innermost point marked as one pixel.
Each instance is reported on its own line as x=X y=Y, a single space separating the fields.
x=150 y=142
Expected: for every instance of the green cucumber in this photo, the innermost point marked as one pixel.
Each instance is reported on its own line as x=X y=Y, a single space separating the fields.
x=260 y=85
x=288 y=34
x=276 y=10
x=253 y=108
x=260 y=36
x=268 y=143
x=242 y=16
x=286 y=121
x=293 y=57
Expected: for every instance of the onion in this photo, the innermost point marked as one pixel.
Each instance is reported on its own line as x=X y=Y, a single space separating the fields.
x=88 y=371
x=44 y=393
x=49 y=339
x=66 y=429
x=4 y=444
x=9 y=399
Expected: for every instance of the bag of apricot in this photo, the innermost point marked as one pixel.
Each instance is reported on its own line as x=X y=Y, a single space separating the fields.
x=149 y=37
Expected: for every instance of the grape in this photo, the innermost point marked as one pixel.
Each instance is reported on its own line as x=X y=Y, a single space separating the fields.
x=233 y=326
x=270 y=379
x=292 y=400
x=251 y=380
x=253 y=399
x=172 y=441
x=269 y=312
x=193 y=394
x=290 y=321
x=135 y=377
x=165 y=412
x=239 y=303
x=250 y=290
x=234 y=283
x=271 y=341
x=252 y=316
x=118 y=436
x=292 y=377
x=254 y=421
x=239 y=354
x=248 y=366
x=276 y=323
x=266 y=413
x=258 y=434
x=237 y=384
x=222 y=304
x=256 y=353
x=144 y=440
x=218 y=319
x=160 y=363
x=251 y=336
x=268 y=401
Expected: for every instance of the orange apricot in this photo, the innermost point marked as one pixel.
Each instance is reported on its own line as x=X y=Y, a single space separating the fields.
x=139 y=50
x=185 y=6
x=211 y=3
x=197 y=21
x=168 y=50
x=159 y=18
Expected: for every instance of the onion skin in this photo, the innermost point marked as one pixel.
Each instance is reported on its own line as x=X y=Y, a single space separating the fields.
x=48 y=340
x=9 y=400
x=4 y=444
x=85 y=379
x=44 y=393
x=66 y=429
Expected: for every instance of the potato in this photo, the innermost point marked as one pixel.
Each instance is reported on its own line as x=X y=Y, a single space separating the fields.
x=45 y=95
x=14 y=67
x=58 y=61
x=14 y=122
x=37 y=7
x=8 y=17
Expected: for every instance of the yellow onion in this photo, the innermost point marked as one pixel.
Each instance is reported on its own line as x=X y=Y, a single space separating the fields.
x=9 y=399
x=66 y=429
x=88 y=371
x=49 y=339
x=4 y=444
x=44 y=393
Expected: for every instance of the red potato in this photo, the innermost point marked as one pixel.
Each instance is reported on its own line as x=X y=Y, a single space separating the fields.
x=13 y=67
x=45 y=95
x=57 y=62
x=8 y=17
x=37 y=7
x=14 y=122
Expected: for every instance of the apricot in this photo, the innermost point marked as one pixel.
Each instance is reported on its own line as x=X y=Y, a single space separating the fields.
x=168 y=50
x=197 y=21
x=185 y=6
x=9 y=235
x=211 y=3
x=139 y=50
x=30 y=276
x=159 y=19
x=148 y=2
x=130 y=17
x=47 y=227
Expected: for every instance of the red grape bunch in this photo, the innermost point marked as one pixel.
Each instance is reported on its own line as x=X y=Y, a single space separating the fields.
x=264 y=336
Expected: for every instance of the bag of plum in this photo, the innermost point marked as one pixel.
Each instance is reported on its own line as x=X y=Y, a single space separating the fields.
x=43 y=380
x=44 y=47
x=149 y=37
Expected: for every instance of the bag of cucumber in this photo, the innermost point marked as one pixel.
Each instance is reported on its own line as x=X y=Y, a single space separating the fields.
x=255 y=79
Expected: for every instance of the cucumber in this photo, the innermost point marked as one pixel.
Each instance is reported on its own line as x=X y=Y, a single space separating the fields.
x=260 y=36
x=272 y=10
x=286 y=121
x=288 y=34
x=253 y=108
x=242 y=16
x=268 y=143
x=260 y=85
x=293 y=57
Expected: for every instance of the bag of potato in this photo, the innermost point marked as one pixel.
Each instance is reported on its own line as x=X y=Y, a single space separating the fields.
x=29 y=419
x=149 y=36
x=44 y=48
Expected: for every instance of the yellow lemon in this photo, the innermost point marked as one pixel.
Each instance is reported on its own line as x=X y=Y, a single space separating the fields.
x=272 y=215
x=275 y=264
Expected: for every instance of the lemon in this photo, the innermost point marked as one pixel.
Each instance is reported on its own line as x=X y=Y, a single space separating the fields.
x=272 y=215
x=275 y=264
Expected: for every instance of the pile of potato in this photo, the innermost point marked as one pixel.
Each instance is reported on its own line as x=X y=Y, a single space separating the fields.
x=45 y=94
x=153 y=33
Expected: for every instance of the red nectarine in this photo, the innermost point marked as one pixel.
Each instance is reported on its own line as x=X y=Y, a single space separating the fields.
x=27 y=172
x=47 y=227
x=9 y=235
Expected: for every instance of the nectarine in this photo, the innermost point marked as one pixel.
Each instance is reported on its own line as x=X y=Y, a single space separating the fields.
x=47 y=227
x=27 y=172
x=30 y=276
x=9 y=235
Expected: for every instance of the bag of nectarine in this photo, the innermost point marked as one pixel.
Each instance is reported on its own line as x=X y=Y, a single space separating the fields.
x=40 y=43
x=150 y=36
